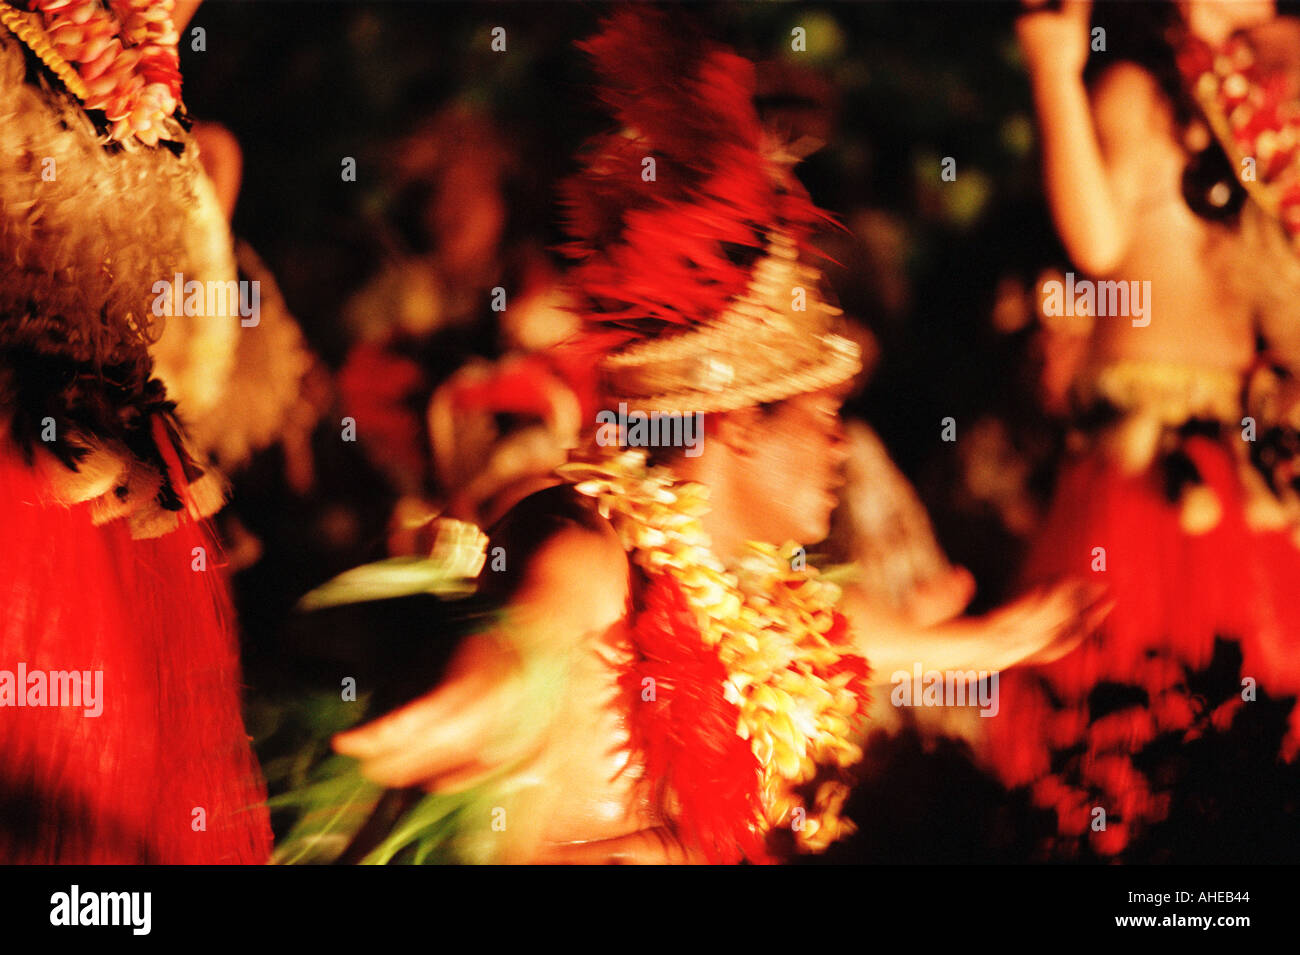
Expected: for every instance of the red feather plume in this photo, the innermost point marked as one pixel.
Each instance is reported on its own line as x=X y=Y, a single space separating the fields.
x=651 y=255
x=686 y=734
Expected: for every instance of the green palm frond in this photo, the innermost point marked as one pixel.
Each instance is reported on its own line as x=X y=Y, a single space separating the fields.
x=331 y=812
x=387 y=579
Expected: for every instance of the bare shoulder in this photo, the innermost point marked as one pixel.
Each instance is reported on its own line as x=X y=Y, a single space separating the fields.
x=566 y=567
x=580 y=562
x=1133 y=117
x=1127 y=94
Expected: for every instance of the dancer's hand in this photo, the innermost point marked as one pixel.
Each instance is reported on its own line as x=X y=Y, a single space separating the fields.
x=1047 y=623
x=1038 y=628
x=1055 y=40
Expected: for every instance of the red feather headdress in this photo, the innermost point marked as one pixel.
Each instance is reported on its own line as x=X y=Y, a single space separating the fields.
x=661 y=253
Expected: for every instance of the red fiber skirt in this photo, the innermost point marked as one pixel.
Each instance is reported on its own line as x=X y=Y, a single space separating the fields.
x=1174 y=593
x=164 y=774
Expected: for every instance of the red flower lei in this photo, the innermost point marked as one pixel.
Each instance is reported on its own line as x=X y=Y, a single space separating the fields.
x=1255 y=116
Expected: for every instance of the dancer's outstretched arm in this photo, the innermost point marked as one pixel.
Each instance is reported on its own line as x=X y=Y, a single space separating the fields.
x=1038 y=628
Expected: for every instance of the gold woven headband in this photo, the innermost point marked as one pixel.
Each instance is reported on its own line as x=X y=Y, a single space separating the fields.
x=774 y=341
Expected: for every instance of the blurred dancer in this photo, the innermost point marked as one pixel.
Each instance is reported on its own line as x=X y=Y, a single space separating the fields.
x=124 y=743
x=1158 y=501
x=661 y=685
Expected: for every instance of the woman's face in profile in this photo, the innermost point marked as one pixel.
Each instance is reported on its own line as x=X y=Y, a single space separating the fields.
x=795 y=466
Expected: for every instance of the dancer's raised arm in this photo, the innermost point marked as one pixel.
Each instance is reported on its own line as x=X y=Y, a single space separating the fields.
x=1088 y=184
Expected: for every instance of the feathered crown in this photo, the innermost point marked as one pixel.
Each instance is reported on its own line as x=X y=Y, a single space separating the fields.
x=690 y=232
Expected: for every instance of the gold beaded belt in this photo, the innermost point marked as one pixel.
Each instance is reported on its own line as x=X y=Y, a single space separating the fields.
x=1171 y=393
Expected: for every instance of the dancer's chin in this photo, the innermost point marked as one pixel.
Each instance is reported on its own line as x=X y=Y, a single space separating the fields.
x=817 y=528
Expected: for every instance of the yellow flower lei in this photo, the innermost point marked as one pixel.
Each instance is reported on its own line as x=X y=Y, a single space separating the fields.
x=768 y=623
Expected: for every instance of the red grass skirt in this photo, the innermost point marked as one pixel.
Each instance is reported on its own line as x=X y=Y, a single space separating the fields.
x=1174 y=592
x=126 y=786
